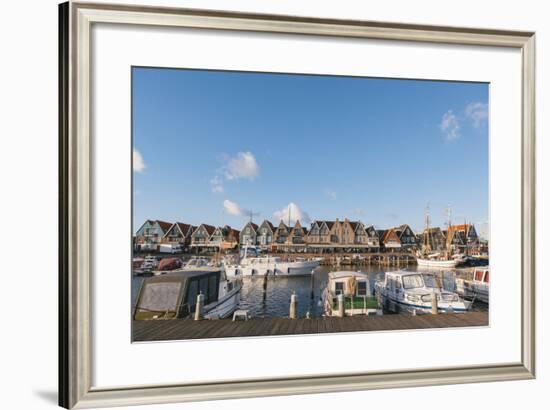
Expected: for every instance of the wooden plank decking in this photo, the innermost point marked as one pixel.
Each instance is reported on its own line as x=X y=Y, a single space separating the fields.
x=155 y=330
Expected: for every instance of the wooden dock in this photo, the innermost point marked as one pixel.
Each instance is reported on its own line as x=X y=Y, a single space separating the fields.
x=156 y=330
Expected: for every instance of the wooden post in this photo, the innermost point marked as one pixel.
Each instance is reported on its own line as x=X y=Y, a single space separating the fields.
x=293 y=306
x=434 y=303
x=264 y=288
x=341 y=306
x=198 y=306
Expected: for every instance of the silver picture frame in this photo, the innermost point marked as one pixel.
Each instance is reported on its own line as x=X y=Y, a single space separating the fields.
x=75 y=230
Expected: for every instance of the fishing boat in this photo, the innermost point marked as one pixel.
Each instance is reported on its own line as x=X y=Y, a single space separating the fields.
x=427 y=258
x=477 y=288
x=354 y=291
x=413 y=292
x=432 y=261
x=174 y=295
x=251 y=263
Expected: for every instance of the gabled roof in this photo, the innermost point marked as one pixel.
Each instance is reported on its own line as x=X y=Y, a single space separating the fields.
x=234 y=233
x=253 y=225
x=388 y=233
x=283 y=226
x=401 y=229
x=329 y=224
x=184 y=228
x=164 y=225
x=268 y=224
x=209 y=229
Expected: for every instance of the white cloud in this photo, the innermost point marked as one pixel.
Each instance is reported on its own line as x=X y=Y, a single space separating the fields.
x=233 y=208
x=357 y=211
x=294 y=212
x=477 y=112
x=449 y=126
x=137 y=159
x=216 y=184
x=243 y=165
x=331 y=194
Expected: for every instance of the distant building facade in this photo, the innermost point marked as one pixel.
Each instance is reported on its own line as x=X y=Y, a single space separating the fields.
x=149 y=236
x=179 y=234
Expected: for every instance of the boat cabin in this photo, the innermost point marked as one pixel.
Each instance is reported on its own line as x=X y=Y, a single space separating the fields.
x=481 y=275
x=174 y=295
x=354 y=288
x=349 y=284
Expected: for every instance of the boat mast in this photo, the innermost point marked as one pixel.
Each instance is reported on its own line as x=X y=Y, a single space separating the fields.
x=426 y=239
x=449 y=212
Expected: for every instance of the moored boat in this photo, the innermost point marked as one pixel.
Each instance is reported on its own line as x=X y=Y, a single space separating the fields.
x=174 y=295
x=477 y=288
x=349 y=294
x=437 y=263
x=260 y=265
x=414 y=292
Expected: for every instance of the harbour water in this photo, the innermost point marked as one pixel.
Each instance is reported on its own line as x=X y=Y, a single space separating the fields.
x=274 y=301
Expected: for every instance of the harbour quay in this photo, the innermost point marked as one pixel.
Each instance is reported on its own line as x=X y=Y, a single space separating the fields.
x=149 y=331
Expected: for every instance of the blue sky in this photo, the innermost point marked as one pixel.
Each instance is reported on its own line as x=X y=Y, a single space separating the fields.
x=217 y=147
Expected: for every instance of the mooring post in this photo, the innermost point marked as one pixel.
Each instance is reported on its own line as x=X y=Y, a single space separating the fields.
x=341 y=307
x=293 y=306
x=264 y=287
x=198 y=306
x=434 y=303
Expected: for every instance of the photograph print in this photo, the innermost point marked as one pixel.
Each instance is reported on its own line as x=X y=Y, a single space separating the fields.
x=269 y=204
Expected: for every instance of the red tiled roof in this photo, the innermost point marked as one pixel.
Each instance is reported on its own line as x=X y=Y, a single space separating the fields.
x=164 y=225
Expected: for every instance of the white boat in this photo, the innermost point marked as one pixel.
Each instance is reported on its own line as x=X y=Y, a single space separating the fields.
x=477 y=288
x=257 y=265
x=437 y=263
x=195 y=263
x=413 y=292
x=354 y=291
x=174 y=295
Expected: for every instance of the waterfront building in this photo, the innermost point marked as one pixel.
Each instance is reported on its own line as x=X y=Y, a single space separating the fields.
x=281 y=233
x=179 y=234
x=407 y=237
x=248 y=234
x=373 y=238
x=200 y=238
x=462 y=239
x=149 y=236
x=297 y=235
x=319 y=233
x=436 y=239
x=265 y=234
x=224 y=238
x=389 y=239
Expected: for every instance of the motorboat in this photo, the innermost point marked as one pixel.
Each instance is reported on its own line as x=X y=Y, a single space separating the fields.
x=196 y=262
x=166 y=265
x=477 y=288
x=174 y=295
x=413 y=292
x=349 y=294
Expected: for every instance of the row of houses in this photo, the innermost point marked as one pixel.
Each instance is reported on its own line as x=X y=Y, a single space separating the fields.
x=154 y=233
x=318 y=237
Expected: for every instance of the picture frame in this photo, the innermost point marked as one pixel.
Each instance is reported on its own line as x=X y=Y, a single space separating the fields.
x=76 y=214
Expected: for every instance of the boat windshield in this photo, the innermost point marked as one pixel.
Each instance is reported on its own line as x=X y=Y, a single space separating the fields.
x=413 y=281
x=429 y=280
